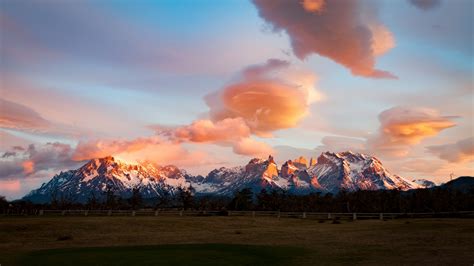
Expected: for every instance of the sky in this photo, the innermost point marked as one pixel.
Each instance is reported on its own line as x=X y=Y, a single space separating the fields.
x=206 y=84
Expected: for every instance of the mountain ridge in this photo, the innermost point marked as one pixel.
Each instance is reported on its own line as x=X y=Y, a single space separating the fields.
x=330 y=173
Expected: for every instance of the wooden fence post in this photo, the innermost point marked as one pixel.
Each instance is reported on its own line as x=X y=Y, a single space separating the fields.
x=156 y=212
x=133 y=213
x=41 y=212
x=354 y=216
x=63 y=213
x=253 y=214
x=229 y=213
x=304 y=215
x=109 y=213
x=86 y=212
x=329 y=216
x=278 y=215
x=381 y=216
x=181 y=213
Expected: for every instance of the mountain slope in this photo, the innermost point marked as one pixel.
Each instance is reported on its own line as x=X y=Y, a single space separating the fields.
x=355 y=171
x=425 y=183
x=462 y=183
x=98 y=176
x=331 y=172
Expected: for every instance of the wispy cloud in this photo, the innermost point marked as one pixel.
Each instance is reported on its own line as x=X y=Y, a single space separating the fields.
x=460 y=151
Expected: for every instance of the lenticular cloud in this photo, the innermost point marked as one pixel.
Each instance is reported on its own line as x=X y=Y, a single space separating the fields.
x=267 y=97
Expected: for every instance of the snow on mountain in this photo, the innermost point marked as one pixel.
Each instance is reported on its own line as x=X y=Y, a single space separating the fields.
x=355 y=171
x=331 y=172
x=98 y=176
x=423 y=183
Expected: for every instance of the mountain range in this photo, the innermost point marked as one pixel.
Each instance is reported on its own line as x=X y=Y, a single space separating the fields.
x=330 y=172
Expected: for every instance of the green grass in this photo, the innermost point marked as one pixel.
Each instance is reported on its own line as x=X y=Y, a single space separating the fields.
x=190 y=254
x=242 y=241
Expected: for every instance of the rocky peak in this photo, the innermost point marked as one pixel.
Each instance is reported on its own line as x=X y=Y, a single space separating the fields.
x=288 y=169
x=270 y=159
x=301 y=162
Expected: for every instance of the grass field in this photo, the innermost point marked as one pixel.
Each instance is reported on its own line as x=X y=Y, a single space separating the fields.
x=233 y=241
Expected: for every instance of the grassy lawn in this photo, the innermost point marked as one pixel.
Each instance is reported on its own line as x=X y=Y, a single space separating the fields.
x=233 y=241
x=188 y=254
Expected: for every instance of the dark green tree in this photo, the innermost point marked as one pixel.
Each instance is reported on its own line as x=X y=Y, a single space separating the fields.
x=243 y=200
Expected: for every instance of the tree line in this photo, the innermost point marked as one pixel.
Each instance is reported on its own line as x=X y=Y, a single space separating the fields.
x=388 y=201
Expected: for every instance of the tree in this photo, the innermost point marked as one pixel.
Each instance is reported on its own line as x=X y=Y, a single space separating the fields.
x=92 y=202
x=186 y=197
x=243 y=200
x=136 y=200
x=111 y=200
x=3 y=204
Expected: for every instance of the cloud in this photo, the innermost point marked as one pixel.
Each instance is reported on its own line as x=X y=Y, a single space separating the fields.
x=267 y=97
x=251 y=147
x=91 y=149
x=36 y=158
x=340 y=144
x=402 y=127
x=208 y=131
x=425 y=4
x=10 y=186
x=262 y=99
x=459 y=151
x=153 y=149
x=8 y=154
x=18 y=116
x=313 y=5
x=344 y=31
x=227 y=132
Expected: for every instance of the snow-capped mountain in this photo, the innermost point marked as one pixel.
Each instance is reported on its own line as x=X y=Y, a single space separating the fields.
x=355 y=171
x=331 y=172
x=424 y=183
x=98 y=176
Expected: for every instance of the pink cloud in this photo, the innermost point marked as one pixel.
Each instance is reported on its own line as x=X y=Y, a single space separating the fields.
x=153 y=149
x=18 y=116
x=459 y=151
x=10 y=186
x=251 y=147
x=341 y=30
x=209 y=131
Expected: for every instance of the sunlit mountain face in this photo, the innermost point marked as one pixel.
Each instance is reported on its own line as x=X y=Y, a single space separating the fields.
x=166 y=94
x=329 y=173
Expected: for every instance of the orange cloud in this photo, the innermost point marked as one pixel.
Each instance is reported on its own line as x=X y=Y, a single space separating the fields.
x=227 y=132
x=208 y=131
x=251 y=147
x=460 y=151
x=153 y=149
x=341 y=30
x=264 y=98
x=28 y=167
x=267 y=97
x=313 y=5
x=86 y=150
x=402 y=127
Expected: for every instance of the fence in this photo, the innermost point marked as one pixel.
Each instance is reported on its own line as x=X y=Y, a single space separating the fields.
x=253 y=214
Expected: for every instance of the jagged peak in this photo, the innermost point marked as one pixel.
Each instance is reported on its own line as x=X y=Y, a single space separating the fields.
x=301 y=160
